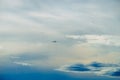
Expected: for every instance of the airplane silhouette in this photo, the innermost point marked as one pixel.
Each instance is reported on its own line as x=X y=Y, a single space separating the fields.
x=54 y=41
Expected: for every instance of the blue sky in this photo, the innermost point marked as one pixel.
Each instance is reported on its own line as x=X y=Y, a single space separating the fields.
x=85 y=31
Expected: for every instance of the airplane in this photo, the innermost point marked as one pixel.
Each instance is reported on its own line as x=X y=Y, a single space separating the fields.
x=54 y=41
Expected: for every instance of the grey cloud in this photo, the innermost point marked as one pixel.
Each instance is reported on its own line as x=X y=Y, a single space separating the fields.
x=102 y=69
x=95 y=17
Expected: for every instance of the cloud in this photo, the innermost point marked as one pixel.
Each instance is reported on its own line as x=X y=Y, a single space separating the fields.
x=15 y=57
x=43 y=15
x=26 y=23
x=11 y=3
x=71 y=14
x=102 y=69
x=116 y=73
x=96 y=64
x=78 y=67
x=22 y=63
x=110 y=40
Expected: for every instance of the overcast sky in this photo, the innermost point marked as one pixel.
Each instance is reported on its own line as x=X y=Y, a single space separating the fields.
x=85 y=31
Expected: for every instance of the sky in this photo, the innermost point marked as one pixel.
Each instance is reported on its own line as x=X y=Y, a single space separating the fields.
x=69 y=39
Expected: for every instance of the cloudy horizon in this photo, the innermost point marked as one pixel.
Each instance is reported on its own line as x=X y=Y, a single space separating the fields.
x=49 y=34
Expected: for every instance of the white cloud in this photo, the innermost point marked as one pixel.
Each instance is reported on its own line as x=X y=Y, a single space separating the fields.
x=110 y=40
x=22 y=63
x=73 y=36
x=52 y=16
x=42 y=15
x=15 y=57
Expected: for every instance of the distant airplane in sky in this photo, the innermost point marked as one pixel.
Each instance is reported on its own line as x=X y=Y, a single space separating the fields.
x=54 y=41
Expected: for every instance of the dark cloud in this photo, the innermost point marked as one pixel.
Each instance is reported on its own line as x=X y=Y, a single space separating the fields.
x=103 y=69
x=78 y=67
x=116 y=73
x=96 y=64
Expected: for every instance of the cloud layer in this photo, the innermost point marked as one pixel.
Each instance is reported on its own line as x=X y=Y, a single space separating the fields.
x=103 y=69
x=109 y=40
x=85 y=31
